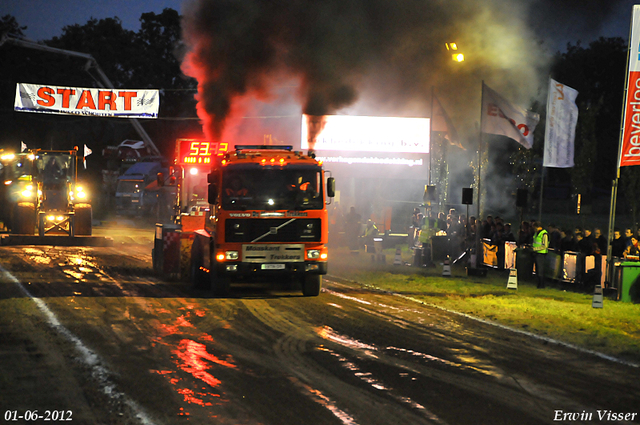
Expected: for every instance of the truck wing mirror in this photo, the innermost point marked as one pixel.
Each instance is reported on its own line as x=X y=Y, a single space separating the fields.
x=331 y=187
x=212 y=193
x=160 y=179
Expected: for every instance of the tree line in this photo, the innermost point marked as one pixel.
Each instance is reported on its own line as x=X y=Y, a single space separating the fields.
x=151 y=58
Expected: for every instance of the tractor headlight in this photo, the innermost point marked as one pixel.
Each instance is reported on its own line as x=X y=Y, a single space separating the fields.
x=28 y=191
x=231 y=255
x=80 y=193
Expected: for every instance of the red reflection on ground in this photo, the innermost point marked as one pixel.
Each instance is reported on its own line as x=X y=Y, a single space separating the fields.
x=182 y=321
x=191 y=357
x=164 y=330
x=190 y=397
x=194 y=358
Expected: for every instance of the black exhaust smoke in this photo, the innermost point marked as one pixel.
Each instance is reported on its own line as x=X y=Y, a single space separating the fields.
x=334 y=51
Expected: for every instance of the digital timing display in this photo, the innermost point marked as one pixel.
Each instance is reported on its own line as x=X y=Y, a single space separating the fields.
x=192 y=151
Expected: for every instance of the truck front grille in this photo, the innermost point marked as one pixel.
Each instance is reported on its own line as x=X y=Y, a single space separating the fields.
x=273 y=230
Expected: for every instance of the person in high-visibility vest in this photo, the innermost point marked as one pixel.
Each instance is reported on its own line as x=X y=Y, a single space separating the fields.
x=370 y=232
x=428 y=231
x=540 y=248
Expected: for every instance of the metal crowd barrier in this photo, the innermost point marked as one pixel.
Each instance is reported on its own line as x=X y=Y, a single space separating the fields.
x=566 y=267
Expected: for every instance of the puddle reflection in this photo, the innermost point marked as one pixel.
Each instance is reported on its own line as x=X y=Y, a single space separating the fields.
x=191 y=356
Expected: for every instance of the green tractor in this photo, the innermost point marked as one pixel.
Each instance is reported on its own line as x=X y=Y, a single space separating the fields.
x=59 y=205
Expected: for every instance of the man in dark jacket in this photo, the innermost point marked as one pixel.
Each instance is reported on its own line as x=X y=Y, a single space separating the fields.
x=618 y=244
x=600 y=240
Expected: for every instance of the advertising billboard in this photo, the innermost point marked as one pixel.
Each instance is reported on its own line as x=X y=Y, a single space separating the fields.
x=371 y=144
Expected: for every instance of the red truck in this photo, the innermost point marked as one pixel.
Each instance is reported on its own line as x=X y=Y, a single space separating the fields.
x=267 y=220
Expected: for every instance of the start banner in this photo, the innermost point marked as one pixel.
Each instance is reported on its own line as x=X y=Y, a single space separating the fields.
x=118 y=103
x=630 y=143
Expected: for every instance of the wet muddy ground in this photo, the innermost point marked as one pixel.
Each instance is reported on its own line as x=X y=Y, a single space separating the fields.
x=95 y=334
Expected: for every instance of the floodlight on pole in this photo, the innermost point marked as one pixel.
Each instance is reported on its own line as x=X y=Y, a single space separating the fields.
x=456 y=55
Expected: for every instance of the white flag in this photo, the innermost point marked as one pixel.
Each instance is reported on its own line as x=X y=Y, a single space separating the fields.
x=441 y=122
x=23 y=146
x=562 y=116
x=504 y=119
x=85 y=154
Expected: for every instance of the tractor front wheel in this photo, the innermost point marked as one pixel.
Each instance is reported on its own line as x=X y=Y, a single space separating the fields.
x=24 y=218
x=83 y=218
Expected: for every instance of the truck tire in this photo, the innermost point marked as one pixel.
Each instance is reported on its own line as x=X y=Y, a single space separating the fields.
x=84 y=216
x=198 y=277
x=24 y=219
x=220 y=284
x=311 y=285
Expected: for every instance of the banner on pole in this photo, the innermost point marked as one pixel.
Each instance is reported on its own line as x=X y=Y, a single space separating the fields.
x=630 y=143
x=502 y=118
x=118 y=103
x=562 y=117
x=441 y=122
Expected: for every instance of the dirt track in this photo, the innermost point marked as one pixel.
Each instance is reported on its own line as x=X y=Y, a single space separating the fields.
x=94 y=332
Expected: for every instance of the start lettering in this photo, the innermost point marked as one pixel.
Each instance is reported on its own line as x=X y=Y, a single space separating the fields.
x=106 y=99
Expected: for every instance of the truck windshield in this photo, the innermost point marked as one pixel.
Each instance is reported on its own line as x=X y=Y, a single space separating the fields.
x=272 y=188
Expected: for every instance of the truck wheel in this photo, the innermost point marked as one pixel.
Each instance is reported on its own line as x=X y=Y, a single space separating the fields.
x=220 y=284
x=199 y=278
x=84 y=216
x=311 y=285
x=24 y=222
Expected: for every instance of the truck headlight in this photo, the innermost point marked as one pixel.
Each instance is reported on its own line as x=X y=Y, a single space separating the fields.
x=313 y=254
x=231 y=255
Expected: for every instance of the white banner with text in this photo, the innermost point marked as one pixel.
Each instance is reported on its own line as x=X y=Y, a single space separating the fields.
x=118 y=103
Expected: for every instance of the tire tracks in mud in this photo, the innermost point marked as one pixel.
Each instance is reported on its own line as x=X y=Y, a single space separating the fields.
x=468 y=376
x=529 y=377
x=349 y=399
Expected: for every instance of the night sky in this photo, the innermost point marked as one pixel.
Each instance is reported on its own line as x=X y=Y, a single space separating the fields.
x=46 y=18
